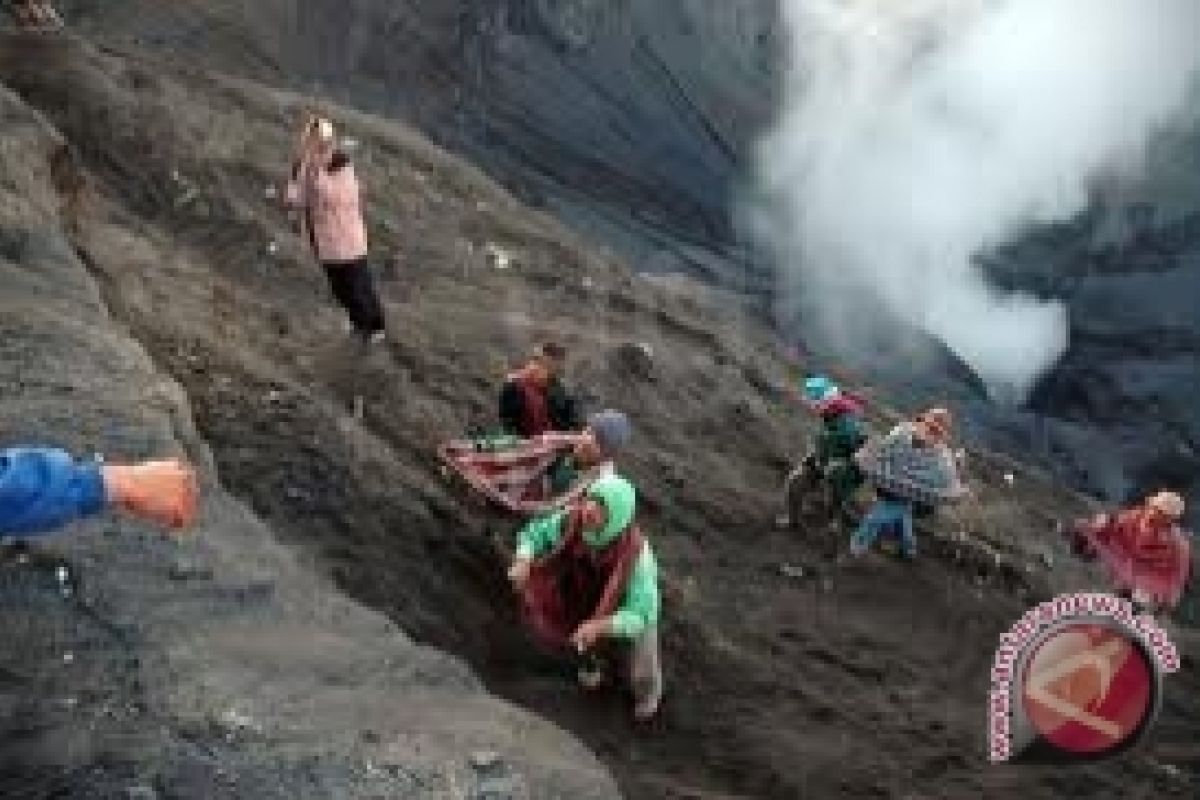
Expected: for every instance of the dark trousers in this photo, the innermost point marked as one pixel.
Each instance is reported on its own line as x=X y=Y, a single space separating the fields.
x=354 y=289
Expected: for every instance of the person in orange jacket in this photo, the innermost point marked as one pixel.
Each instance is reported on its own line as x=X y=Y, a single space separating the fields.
x=44 y=489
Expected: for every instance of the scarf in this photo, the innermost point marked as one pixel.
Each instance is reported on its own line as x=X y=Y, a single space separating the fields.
x=535 y=409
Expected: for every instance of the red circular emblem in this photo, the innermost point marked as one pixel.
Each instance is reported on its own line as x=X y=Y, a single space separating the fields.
x=1088 y=688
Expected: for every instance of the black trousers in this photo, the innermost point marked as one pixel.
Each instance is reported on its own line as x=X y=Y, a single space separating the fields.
x=354 y=289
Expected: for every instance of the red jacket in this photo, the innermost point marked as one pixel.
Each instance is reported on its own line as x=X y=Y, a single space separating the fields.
x=1142 y=553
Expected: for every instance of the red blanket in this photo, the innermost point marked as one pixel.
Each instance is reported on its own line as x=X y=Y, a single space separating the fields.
x=515 y=478
x=576 y=583
x=1140 y=554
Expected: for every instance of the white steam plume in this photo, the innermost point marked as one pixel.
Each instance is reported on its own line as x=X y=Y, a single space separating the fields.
x=917 y=134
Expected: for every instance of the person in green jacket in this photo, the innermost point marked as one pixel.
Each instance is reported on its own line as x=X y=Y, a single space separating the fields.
x=831 y=465
x=589 y=583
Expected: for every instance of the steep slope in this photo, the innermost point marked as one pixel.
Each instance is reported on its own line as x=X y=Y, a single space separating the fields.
x=216 y=667
x=631 y=120
x=856 y=680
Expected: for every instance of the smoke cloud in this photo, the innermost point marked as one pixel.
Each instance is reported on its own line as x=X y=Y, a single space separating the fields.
x=918 y=134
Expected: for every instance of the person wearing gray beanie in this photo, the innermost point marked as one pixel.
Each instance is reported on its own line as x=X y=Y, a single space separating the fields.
x=606 y=436
x=611 y=430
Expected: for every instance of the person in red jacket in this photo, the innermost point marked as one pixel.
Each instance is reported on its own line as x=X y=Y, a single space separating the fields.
x=1146 y=552
x=325 y=188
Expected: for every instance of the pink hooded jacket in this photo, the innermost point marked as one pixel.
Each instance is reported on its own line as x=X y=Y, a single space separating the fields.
x=333 y=211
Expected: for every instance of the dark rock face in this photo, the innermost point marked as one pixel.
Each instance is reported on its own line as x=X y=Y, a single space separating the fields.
x=1130 y=272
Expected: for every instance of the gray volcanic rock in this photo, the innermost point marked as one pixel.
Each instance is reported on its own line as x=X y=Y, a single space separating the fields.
x=1130 y=273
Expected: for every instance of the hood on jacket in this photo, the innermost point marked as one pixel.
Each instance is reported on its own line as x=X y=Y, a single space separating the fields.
x=620 y=499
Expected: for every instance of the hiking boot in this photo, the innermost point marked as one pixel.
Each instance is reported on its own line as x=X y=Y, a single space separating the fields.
x=377 y=338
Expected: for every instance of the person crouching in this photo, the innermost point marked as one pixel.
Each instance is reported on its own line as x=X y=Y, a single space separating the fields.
x=588 y=580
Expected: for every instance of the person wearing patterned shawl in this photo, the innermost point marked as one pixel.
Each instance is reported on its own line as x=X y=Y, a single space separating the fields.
x=913 y=465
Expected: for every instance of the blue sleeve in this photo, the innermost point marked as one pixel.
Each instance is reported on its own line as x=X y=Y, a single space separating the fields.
x=43 y=489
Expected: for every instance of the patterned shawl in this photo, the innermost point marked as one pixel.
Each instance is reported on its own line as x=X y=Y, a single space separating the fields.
x=922 y=474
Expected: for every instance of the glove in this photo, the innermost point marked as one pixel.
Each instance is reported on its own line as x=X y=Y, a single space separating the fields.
x=162 y=492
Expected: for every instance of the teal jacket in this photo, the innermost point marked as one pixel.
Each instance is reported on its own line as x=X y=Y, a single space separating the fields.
x=640 y=607
x=840 y=438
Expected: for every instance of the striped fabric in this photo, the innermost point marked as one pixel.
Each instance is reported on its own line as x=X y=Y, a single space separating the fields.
x=512 y=473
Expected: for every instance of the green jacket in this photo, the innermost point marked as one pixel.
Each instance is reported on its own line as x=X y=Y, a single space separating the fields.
x=840 y=438
x=640 y=607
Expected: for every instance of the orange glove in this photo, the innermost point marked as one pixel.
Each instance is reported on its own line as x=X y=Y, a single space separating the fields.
x=163 y=492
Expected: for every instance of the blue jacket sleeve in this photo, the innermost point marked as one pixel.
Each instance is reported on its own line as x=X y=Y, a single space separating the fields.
x=43 y=489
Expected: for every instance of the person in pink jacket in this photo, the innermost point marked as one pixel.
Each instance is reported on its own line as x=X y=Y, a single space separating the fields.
x=323 y=185
x=36 y=15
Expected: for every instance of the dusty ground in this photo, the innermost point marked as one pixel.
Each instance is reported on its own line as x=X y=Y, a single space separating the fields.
x=850 y=681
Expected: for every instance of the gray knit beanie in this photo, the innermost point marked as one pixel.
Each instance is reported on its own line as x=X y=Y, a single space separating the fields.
x=612 y=431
